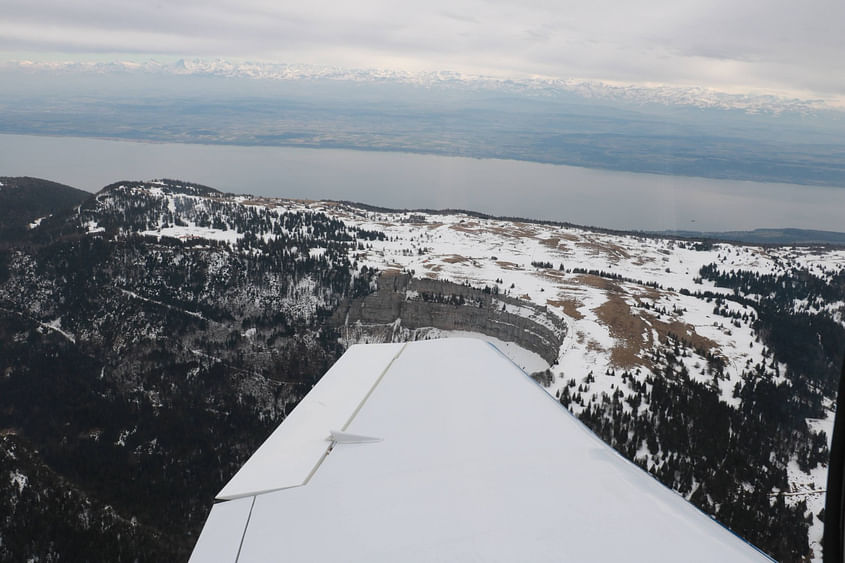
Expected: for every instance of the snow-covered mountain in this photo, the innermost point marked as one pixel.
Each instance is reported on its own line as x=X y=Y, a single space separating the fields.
x=711 y=365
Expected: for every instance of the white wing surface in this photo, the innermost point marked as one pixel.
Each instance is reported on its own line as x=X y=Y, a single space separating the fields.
x=444 y=450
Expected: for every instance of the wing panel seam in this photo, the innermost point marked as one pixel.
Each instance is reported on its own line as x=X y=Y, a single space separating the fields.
x=325 y=454
x=373 y=388
x=356 y=411
x=243 y=535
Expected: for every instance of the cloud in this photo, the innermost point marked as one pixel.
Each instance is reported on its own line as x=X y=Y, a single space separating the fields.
x=751 y=44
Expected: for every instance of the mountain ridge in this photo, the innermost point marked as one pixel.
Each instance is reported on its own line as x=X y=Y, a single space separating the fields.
x=25 y=199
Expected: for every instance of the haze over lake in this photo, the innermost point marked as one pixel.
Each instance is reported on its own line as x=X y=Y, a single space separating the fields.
x=621 y=200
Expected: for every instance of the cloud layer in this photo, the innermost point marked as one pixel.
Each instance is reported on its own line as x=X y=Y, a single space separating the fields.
x=763 y=45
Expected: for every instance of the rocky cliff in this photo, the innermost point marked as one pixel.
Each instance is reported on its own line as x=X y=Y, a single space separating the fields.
x=404 y=304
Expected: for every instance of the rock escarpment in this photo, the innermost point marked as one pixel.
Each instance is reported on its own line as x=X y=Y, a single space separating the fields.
x=405 y=307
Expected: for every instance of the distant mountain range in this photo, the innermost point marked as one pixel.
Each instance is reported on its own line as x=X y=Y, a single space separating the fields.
x=666 y=130
x=691 y=96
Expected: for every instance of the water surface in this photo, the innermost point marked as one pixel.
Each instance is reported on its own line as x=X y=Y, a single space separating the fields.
x=621 y=200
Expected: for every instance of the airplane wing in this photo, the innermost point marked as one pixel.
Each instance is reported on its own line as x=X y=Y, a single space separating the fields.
x=444 y=450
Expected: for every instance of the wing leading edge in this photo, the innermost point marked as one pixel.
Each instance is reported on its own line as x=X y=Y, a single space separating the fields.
x=465 y=458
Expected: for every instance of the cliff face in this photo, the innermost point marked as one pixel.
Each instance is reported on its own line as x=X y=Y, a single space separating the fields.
x=404 y=307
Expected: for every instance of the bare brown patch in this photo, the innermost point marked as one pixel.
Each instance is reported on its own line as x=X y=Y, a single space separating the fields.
x=468 y=227
x=551 y=242
x=598 y=282
x=646 y=292
x=627 y=328
x=259 y=202
x=454 y=259
x=508 y=265
x=594 y=346
x=514 y=230
x=569 y=306
x=686 y=332
x=634 y=332
x=598 y=247
x=551 y=274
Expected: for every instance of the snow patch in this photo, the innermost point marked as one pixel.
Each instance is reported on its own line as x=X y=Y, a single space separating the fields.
x=56 y=325
x=194 y=232
x=36 y=223
x=91 y=227
x=19 y=480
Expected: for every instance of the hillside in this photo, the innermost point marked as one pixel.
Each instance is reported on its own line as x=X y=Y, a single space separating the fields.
x=24 y=200
x=154 y=334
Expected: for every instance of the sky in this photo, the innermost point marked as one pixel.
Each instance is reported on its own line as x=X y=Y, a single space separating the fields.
x=782 y=47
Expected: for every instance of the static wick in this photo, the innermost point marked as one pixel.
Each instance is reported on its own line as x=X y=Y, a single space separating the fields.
x=339 y=437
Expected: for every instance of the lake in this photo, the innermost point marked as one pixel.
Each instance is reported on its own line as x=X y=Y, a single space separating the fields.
x=619 y=200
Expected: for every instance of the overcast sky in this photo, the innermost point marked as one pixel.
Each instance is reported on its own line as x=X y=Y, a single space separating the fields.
x=792 y=47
